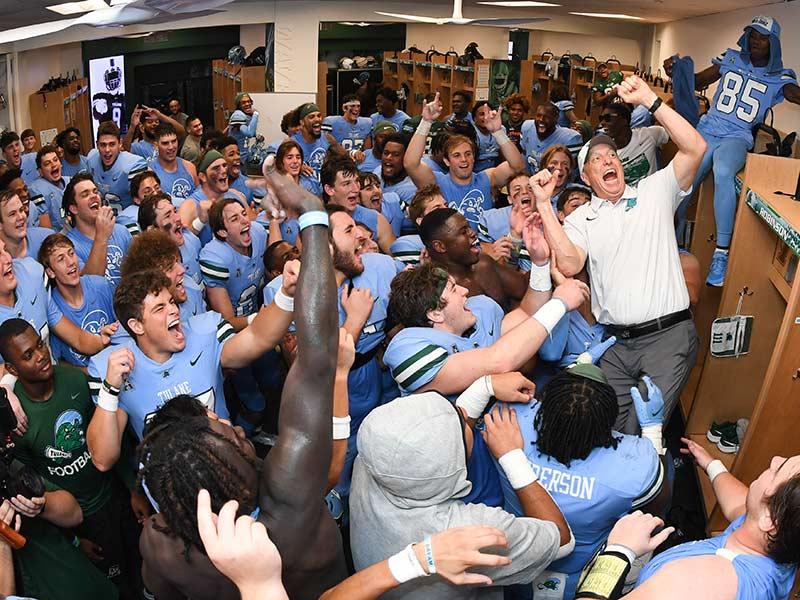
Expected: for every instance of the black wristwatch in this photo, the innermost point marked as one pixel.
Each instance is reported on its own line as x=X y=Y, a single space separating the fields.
x=652 y=110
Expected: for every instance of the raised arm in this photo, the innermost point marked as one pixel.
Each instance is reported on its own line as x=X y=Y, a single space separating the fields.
x=98 y=255
x=294 y=474
x=514 y=163
x=104 y=434
x=419 y=172
x=730 y=492
x=691 y=145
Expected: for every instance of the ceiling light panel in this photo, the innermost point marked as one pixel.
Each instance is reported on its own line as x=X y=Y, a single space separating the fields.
x=518 y=3
x=607 y=16
x=74 y=8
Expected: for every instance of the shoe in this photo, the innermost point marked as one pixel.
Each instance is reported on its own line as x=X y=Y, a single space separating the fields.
x=718 y=430
x=729 y=442
x=719 y=265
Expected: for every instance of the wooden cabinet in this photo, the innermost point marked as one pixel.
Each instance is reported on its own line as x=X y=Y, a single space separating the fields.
x=67 y=106
x=226 y=82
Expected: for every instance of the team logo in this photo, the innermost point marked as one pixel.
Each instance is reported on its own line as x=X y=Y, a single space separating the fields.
x=68 y=435
x=114 y=263
x=471 y=206
x=93 y=322
x=549 y=584
x=181 y=188
x=315 y=159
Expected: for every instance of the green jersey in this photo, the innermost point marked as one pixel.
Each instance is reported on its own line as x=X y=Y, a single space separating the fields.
x=604 y=85
x=50 y=567
x=55 y=442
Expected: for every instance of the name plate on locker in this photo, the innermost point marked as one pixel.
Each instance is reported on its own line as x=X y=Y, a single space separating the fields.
x=730 y=336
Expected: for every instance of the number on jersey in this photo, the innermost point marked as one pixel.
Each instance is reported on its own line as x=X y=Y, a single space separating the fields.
x=749 y=106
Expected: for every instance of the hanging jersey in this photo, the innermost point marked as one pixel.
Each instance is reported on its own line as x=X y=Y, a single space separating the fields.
x=195 y=302
x=241 y=276
x=351 y=136
x=396 y=119
x=114 y=183
x=757 y=577
x=470 y=199
x=313 y=152
x=190 y=256
x=591 y=493
x=147 y=150
x=493 y=225
x=488 y=151
x=417 y=354
x=96 y=312
x=34 y=239
x=117 y=249
x=195 y=370
x=178 y=184
x=33 y=302
x=407 y=249
x=69 y=170
x=534 y=147
x=46 y=197
x=743 y=96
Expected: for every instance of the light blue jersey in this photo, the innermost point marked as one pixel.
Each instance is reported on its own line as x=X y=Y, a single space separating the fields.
x=417 y=354
x=33 y=302
x=195 y=302
x=757 y=577
x=371 y=161
x=313 y=152
x=179 y=183
x=117 y=248
x=592 y=493
x=34 y=239
x=69 y=170
x=190 y=256
x=571 y=337
x=195 y=370
x=114 y=183
x=743 y=96
x=243 y=129
x=407 y=249
x=30 y=172
x=368 y=217
x=197 y=196
x=96 y=312
x=240 y=185
x=394 y=210
x=433 y=165
x=351 y=136
x=470 y=199
x=46 y=197
x=488 y=151
x=130 y=219
x=534 y=148
x=241 y=276
x=564 y=106
x=147 y=150
x=396 y=119
x=493 y=225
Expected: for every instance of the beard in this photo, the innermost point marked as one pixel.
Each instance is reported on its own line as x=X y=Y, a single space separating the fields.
x=346 y=263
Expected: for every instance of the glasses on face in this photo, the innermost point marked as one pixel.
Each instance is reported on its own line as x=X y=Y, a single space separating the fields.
x=607 y=117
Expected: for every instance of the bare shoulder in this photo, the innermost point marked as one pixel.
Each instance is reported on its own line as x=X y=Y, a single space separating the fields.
x=710 y=577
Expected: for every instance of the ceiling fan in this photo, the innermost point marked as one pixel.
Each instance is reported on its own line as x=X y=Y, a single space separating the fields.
x=121 y=14
x=458 y=18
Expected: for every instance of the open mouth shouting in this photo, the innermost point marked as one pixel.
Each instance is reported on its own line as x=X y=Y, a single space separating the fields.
x=175 y=330
x=610 y=175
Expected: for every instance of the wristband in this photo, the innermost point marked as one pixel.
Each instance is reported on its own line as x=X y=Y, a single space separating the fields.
x=405 y=566
x=429 y=555
x=313 y=217
x=251 y=318
x=540 y=277
x=629 y=554
x=517 y=468
x=653 y=433
x=197 y=224
x=8 y=380
x=283 y=301
x=475 y=398
x=341 y=428
x=714 y=469
x=424 y=128
x=108 y=397
x=501 y=137
x=550 y=314
x=655 y=106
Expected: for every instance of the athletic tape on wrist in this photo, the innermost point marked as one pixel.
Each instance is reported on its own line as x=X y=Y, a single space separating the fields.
x=8 y=380
x=424 y=128
x=197 y=224
x=405 y=566
x=628 y=552
x=501 y=137
x=550 y=314
x=341 y=428
x=108 y=397
x=429 y=555
x=714 y=469
x=654 y=434
x=313 y=217
x=284 y=301
x=475 y=398
x=517 y=468
x=540 y=280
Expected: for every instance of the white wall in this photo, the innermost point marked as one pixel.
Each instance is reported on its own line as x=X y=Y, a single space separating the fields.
x=492 y=41
x=703 y=38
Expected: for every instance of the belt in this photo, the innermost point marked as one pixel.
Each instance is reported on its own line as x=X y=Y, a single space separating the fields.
x=627 y=332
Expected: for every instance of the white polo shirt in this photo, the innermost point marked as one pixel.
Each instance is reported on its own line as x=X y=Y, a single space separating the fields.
x=632 y=255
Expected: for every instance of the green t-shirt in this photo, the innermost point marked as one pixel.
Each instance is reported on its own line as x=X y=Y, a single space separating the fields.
x=55 y=442
x=604 y=85
x=52 y=568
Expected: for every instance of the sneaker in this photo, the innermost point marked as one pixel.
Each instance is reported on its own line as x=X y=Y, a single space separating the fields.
x=718 y=430
x=729 y=442
x=719 y=265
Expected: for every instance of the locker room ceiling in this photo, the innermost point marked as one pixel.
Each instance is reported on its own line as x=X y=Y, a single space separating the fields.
x=19 y=13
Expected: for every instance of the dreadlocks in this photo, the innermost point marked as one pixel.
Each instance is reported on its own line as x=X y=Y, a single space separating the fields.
x=181 y=456
x=576 y=415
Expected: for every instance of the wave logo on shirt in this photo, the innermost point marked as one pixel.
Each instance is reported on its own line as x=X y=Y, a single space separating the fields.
x=181 y=188
x=114 y=263
x=68 y=435
x=471 y=205
x=316 y=158
x=93 y=322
